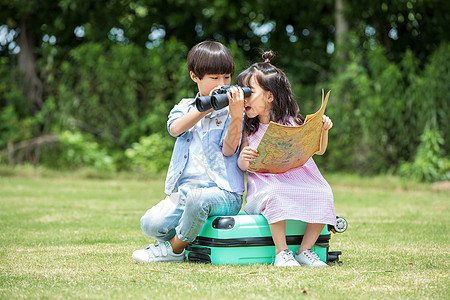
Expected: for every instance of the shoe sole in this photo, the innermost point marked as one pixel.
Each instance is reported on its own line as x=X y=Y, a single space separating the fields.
x=138 y=260
x=305 y=265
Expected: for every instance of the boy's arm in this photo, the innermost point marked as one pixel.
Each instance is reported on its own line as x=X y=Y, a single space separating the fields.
x=233 y=134
x=232 y=137
x=327 y=125
x=186 y=122
x=243 y=164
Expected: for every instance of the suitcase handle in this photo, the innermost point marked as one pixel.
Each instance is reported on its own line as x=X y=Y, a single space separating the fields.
x=199 y=258
x=223 y=223
x=255 y=241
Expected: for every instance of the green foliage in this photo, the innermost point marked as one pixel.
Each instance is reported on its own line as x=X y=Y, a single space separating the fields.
x=102 y=85
x=432 y=91
x=400 y=25
x=106 y=73
x=75 y=151
x=381 y=109
x=12 y=127
x=429 y=163
x=15 y=117
x=151 y=153
x=127 y=91
x=346 y=148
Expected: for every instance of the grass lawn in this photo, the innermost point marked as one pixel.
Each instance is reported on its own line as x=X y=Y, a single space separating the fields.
x=67 y=236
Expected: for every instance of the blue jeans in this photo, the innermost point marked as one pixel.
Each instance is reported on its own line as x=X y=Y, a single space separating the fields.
x=184 y=213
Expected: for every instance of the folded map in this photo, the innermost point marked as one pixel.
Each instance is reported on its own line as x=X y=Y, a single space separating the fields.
x=283 y=148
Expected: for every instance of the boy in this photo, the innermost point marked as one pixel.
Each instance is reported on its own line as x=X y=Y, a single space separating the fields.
x=203 y=177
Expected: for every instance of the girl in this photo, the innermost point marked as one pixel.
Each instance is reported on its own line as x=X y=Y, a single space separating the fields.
x=299 y=194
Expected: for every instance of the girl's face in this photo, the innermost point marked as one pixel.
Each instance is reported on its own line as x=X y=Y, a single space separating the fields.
x=259 y=103
x=210 y=81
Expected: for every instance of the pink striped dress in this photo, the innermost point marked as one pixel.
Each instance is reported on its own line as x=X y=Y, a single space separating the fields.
x=299 y=194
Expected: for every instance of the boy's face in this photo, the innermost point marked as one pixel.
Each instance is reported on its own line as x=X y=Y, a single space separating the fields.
x=210 y=81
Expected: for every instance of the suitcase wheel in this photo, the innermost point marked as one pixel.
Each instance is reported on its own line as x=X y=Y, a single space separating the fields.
x=341 y=225
x=333 y=257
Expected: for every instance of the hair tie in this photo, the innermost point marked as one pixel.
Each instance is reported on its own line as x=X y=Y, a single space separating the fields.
x=267 y=60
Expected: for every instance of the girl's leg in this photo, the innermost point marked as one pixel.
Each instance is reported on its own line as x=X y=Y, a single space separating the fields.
x=283 y=256
x=305 y=256
x=312 y=232
x=278 y=231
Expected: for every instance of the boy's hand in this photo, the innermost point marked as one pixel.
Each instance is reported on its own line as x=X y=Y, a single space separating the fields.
x=236 y=100
x=249 y=154
x=215 y=89
x=327 y=124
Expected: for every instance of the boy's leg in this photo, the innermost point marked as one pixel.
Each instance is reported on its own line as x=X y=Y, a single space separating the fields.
x=159 y=222
x=202 y=203
x=178 y=245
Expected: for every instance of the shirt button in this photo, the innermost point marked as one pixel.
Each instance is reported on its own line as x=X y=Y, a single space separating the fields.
x=187 y=140
x=185 y=156
x=180 y=172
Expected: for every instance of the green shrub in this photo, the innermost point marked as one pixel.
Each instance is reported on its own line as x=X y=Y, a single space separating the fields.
x=151 y=153
x=429 y=164
x=381 y=110
x=76 y=151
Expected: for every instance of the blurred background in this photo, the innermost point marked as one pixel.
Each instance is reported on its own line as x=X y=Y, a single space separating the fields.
x=90 y=83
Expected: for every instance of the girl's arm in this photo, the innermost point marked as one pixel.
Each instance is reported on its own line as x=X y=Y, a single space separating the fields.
x=327 y=125
x=247 y=154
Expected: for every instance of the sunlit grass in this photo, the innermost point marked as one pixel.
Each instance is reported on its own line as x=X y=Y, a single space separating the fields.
x=67 y=236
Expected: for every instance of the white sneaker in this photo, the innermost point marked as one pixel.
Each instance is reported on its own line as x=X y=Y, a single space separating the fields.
x=309 y=258
x=285 y=259
x=158 y=253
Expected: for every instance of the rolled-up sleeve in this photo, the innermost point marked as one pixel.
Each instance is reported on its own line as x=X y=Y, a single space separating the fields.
x=178 y=111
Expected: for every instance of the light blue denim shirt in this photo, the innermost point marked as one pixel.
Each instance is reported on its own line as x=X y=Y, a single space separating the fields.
x=223 y=170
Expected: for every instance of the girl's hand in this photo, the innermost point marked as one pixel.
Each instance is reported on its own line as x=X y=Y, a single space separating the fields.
x=236 y=100
x=249 y=153
x=327 y=124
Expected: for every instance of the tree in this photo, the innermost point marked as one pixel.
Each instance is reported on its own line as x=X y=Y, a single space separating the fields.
x=342 y=28
x=419 y=25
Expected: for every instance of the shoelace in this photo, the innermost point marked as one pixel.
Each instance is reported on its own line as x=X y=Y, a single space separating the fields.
x=311 y=255
x=286 y=257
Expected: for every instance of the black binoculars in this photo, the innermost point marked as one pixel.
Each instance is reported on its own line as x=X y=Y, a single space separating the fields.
x=218 y=98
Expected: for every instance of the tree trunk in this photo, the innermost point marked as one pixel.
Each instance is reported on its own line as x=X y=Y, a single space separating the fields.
x=27 y=63
x=342 y=28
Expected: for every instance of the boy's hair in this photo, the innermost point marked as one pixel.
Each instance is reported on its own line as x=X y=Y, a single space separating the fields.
x=271 y=79
x=209 y=57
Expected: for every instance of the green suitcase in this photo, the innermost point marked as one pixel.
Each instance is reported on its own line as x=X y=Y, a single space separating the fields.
x=246 y=239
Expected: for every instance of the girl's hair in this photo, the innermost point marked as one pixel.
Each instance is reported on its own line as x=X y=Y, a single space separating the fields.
x=271 y=79
x=209 y=57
